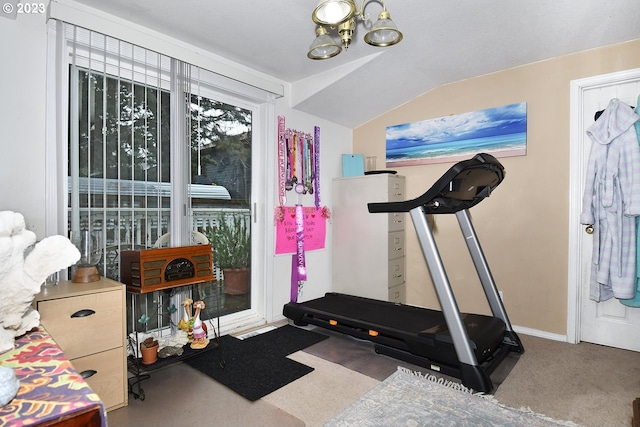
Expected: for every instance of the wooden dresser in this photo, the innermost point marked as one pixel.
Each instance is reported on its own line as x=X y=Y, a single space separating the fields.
x=87 y=321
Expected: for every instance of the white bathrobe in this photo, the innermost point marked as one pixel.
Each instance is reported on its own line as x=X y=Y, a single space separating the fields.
x=612 y=200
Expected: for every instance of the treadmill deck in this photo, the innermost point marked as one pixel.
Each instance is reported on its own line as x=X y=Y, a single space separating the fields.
x=418 y=330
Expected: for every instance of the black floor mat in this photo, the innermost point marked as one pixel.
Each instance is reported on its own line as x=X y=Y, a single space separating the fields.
x=257 y=366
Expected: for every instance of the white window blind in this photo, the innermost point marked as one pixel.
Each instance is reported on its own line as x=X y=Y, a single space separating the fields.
x=120 y=159
x=136 y=134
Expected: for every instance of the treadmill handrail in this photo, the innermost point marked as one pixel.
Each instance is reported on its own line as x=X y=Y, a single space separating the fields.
x=463 y=186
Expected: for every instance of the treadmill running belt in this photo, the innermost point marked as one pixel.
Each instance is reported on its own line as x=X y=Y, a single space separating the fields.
x=415 y=329
x=410 y=319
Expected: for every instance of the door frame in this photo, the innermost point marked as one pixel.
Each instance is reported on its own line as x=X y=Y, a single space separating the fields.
x=576 y=178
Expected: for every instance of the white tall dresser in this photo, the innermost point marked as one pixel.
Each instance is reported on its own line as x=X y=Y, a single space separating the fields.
x=368 y=249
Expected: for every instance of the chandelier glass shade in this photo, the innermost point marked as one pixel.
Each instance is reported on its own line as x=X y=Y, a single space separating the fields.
x=323 y=47
x=343 y=15
x=333 y=12
x=384 y=32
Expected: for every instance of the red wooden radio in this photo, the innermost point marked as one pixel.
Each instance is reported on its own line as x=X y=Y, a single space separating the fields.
x=150 y=270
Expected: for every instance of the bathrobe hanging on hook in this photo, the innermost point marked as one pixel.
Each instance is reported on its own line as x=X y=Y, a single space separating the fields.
x=635 y=301
x=612 y=200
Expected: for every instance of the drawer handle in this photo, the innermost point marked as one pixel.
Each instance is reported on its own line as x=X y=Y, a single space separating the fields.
x=88 y=373
x=399 y=248
x=83 y=313
x=397 y=276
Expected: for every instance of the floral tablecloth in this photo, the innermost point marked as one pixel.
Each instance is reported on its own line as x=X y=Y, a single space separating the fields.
x=50 y=387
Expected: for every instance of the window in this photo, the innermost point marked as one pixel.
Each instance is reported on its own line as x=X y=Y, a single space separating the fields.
x=155 y=148
x=221 y=137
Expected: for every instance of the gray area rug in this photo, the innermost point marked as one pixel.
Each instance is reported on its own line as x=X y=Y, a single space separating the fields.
x=407 y=399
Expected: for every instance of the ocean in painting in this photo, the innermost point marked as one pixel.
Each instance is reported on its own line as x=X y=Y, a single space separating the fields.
x=500 y=131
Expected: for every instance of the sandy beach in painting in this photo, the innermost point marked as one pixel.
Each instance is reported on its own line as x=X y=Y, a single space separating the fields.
x=454 y=158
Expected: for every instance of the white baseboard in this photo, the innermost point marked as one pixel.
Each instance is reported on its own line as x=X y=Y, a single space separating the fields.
x=540 y=334
x=255 y=332
x=238 y=326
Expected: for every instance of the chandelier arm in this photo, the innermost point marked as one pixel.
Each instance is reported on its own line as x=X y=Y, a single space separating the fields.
x=360 y=13
x=365 y=16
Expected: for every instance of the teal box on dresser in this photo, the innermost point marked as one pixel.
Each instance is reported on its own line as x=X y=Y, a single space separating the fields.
x=352 y=165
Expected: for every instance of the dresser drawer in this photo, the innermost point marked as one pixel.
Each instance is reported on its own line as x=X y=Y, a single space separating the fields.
x=396 y=272
x=396 y=189
x=396 y=244
x=398 y=294
x=85 y=324
x=396 y=221
x=108 y=381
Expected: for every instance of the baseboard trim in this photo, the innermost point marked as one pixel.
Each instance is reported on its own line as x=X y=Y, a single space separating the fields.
x=540 y=334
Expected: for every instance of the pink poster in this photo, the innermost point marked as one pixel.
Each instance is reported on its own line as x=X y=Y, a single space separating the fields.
x=315 y=227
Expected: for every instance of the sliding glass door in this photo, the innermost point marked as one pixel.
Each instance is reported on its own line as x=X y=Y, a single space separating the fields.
x=125 y=166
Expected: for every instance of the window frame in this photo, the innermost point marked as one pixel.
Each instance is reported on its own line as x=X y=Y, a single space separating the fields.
x=259 y=101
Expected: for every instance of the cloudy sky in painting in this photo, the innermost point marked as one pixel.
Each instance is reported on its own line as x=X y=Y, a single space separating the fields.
x=508 y=119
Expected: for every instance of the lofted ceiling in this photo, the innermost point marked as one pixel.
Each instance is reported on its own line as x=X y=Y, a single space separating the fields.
x=444 y=41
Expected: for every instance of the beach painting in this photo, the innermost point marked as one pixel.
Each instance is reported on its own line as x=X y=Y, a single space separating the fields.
x=499 y=131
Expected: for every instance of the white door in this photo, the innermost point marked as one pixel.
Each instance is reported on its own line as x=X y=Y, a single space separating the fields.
x=610 y=322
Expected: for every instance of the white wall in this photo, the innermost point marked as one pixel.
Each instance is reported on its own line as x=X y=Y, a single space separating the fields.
x=334 y=141
x=22 y=117
x=22 y=141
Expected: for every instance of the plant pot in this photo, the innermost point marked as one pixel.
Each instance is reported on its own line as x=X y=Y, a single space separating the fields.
x=149 y=354
x=236 y=281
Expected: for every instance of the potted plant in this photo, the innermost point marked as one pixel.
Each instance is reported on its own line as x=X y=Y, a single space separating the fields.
x=231 y=245
x=149 y=350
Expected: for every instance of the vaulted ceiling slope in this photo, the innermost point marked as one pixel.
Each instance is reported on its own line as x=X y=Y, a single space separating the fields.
x=444 y=41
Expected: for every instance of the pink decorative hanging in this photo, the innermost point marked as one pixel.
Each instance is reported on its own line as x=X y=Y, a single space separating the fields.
x=299 y=171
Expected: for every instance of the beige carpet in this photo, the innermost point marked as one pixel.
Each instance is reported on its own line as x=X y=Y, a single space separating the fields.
x=588 y=384
x=319 y=396
x=182 y=396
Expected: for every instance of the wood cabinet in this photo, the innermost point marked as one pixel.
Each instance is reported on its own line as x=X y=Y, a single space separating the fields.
x=368 y=248
x=87 y=321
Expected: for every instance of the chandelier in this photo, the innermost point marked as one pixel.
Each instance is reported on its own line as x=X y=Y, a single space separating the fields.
x=343 y=14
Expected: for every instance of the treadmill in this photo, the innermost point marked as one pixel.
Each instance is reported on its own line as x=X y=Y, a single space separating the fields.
x=466 y=346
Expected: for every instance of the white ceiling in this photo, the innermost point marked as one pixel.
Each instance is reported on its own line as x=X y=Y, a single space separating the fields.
x=444 y=41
